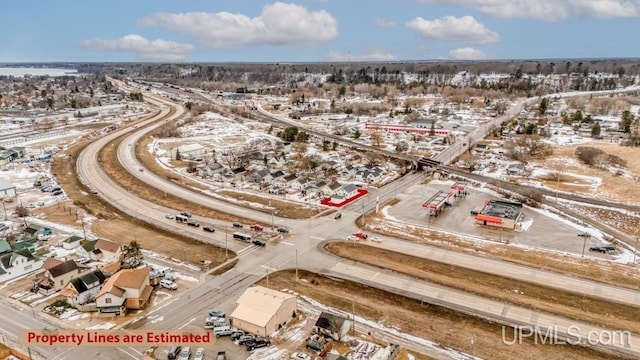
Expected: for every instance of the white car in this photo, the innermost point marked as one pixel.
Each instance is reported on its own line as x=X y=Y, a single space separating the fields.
x=169 y=216
x=300 y=356
x=83 y=260
x=30 y=206
x=168 y=284
x=351 y=237
x=376 y=239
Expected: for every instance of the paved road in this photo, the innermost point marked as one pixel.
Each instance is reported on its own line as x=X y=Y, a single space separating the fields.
x=255 y=263
x=518 y=272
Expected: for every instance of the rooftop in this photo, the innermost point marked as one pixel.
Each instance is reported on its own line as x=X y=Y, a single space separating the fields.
x=502 y=209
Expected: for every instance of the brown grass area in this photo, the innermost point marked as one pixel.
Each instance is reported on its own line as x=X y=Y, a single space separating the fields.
x=624 y=222
x=613 y=187
x=606 y=272
x=435 y=323
x=607 y=314
x=115 y=225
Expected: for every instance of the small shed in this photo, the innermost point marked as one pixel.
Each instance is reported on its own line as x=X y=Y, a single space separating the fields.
x=333 y=326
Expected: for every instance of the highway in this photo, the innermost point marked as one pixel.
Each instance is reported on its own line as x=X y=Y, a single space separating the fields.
x=255 y=263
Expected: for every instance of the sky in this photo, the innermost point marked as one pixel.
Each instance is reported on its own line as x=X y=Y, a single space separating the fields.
x=316 y=30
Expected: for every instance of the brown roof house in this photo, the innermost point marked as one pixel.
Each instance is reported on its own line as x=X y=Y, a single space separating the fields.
x=57 y=276
x=262 y=311
x=111 y=251
x=87 y=249
x=127 y=289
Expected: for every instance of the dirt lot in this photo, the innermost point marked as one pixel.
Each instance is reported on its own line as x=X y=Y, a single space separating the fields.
x=613 y=187
x=437 y=324
x=607 y=314
x=603 y=271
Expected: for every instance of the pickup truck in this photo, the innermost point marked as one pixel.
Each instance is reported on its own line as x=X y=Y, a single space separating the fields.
x=256 y=227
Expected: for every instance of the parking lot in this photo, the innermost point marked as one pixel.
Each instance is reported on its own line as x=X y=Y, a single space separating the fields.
x=539 y=228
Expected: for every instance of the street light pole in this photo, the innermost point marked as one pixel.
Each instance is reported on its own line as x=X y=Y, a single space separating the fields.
x=584 y=244
x=226 y=248
x=296 y=249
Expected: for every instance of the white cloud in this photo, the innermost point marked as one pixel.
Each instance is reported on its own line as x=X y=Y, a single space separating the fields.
x=545 y=10
x=371 y=53
x=144 y=49
x=605 y=9
x=450 y=28
x=278 y=24
x=380 y=22
x=467 y=53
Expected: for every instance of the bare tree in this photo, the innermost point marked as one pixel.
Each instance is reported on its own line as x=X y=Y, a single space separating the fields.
x=376 y=138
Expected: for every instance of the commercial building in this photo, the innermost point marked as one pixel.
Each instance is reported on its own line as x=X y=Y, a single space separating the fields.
x=500 y=213
x=262 y=311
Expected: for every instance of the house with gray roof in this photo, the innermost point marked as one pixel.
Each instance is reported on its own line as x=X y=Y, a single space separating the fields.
x=16 y=263
x=83 y=289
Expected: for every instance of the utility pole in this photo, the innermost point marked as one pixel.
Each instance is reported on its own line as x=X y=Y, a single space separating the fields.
x=5 y=210
x=353 y=314
x=584 y=244
x=83 y=230
x=226 y=248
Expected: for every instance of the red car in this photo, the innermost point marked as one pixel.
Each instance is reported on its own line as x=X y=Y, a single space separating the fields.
x=256 y=227
x=361 y=235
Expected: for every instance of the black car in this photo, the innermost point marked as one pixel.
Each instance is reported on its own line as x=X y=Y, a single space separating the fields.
x=193 y=223
x=174 y=351
x=338 y=216
x=208 y=228
x=259 y=242
x=283 y=229
x=185 y=214
x=237 y=224
x=257 y=343
x=602 y=249
x=56 y=193
x=314 y=345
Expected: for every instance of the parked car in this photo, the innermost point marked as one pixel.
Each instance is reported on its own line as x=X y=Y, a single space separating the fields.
x=168 y=284
x=237 y=334
x=245 y=339
x=193 y=223
x=300 y=356
x=259 y=242
x=352 y=238
x=169 y=216
x=361 y=235
x=83 y=260
x=40 y=203
x=208 y=229
x=584 y=234
x=56 y=193
x=602 y=249
x=221 y=355
x=314 y=345
x=256 y=227
x=185 y=214
x=54 y=189
x=47 y=188
x=283 y=229
x=376 y=239
x=217 y=313
x=223 y=331
x=338 y=216
x=237 y=224
x=30 y=206
x=257 y=343
x=199 y=354
x=174 y=351
x=186 y=353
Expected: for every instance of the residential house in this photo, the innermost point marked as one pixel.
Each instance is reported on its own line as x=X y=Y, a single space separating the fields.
x=7 y=189
x=29 y=245
x=57 y=277
x=275 y=176
x=259 y=175
x=285 y=181
x=16 y=263
x=71 y=242
x=238 y=173
x=111 y=251
x=125 y=290
x=300 y=183
x=262 y=311
x=87 y=249
x=31 y=230
x=276 y=162
x=216 y=168
x=369 y=175
x=333 y=188
x=347 y=172
x=322 y=188
x=347 y=191
x=84 y=288
x=332 y=326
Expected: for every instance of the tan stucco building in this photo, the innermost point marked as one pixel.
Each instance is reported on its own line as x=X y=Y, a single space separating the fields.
x=262 y=311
